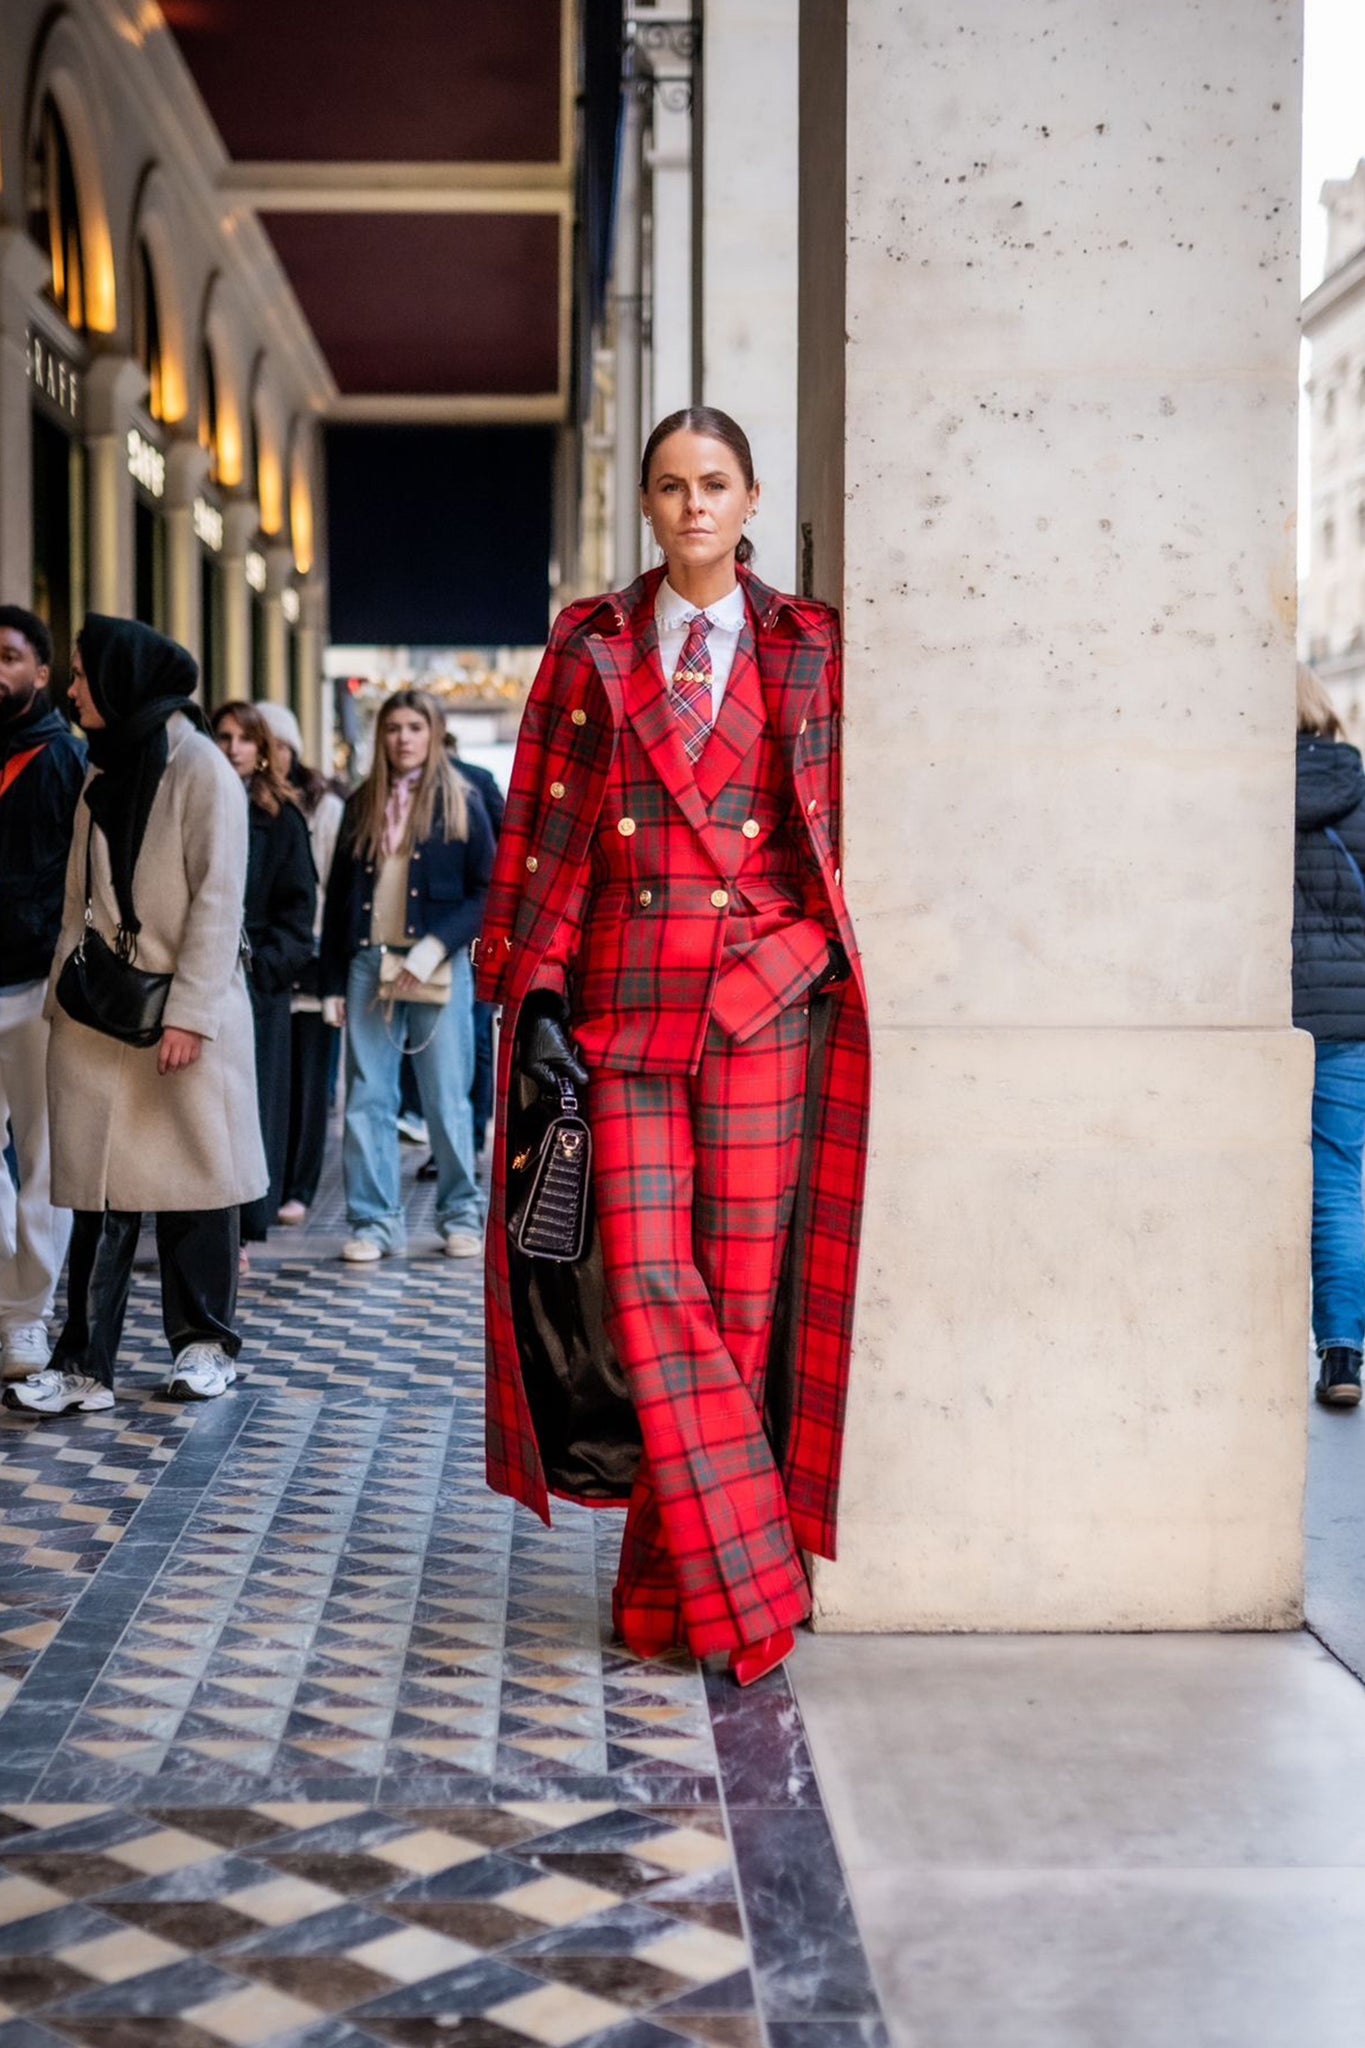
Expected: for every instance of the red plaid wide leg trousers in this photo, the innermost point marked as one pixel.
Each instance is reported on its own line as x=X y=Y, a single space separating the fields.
x=695 y=1178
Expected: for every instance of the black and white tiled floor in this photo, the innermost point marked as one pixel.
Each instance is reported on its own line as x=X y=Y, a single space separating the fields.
x=306 y=1738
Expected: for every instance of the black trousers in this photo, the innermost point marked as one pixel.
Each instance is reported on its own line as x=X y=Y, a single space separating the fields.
x=197 y=1252
x=310 y=1098
x=270 y=1013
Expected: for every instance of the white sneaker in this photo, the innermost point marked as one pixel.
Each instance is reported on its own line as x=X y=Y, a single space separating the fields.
x=362 y=1251
x=202 y=1372
x=413 y=1130
x=27 y=1350
x=462 y=1244
x=57 y=1393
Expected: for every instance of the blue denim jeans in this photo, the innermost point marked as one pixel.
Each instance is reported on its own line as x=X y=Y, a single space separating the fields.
x=1338 y=1218
x=441 y=1041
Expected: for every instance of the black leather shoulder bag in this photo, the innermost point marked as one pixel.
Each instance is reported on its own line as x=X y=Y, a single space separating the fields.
x=550 y=1220
x=102 y=987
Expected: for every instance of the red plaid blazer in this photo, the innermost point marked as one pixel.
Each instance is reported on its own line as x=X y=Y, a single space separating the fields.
x=597 y=682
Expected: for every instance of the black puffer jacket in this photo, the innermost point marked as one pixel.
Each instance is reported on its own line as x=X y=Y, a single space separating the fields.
x=1329 y=902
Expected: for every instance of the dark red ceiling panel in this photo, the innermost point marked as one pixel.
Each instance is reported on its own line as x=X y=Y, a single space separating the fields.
x=428 y=302
x=376 y=81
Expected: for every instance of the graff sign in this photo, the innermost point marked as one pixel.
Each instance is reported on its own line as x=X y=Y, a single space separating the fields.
x=57 y=379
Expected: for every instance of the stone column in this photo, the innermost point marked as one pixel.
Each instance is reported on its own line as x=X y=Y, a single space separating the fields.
x=23 y=269
x=187 y=468
x=279 y=568
x=1070 y=294
x=750 y=177
x=114 y=385
x=240 y=518
x=626 y=287
x=674 y=380
x=314 y=721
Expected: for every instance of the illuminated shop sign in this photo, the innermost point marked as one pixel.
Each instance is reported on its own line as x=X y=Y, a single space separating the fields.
x=58 y=380
x=208 y=525
x=255 y=569
x=146 y=464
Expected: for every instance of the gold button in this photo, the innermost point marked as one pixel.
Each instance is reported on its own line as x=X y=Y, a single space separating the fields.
x=646 y=898
x=802 y=727
x=838 y=874
x=531 y=863
x=811 y=805
x=625 y=826
x=720 y=897
x=556 y=790
x=750 y=828
x=579 y=717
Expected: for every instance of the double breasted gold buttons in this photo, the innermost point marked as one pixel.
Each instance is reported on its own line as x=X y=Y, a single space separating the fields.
x=646 y=898
x=556 y=790
x=579 y=717
x=625 y=826
x=531 y=863
x=750 y=828
x=720 y=897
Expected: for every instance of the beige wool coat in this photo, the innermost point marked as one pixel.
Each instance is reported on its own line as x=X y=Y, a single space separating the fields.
x=124 y=1136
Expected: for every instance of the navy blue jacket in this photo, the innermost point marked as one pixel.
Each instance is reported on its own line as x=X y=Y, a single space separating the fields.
x=486 y=783
x=37 y=817
x=1329 y=900
x=447 y=888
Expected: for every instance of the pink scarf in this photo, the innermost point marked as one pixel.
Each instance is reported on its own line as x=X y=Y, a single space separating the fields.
x=396 y=811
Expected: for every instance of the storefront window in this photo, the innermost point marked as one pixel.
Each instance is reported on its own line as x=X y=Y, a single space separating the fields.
x=147 y=331
x=54 y=218
x=58 y=536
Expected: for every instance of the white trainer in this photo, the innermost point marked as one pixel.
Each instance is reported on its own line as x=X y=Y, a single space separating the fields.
x=462 y=1244
x=362 y=1251
x=202 y=1372
x=28 y=1349
x=57 y=1393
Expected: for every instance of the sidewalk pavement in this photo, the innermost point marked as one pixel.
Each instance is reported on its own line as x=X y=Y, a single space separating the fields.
x=1113 y=1841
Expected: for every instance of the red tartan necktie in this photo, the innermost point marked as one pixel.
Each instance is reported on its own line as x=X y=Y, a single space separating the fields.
x=690 y=695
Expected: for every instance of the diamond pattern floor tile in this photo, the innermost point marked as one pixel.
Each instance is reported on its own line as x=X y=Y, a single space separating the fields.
x=314 y=1742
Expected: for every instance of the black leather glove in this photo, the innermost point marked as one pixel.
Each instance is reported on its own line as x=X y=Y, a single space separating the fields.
x=837 y=969
x=546 y=1054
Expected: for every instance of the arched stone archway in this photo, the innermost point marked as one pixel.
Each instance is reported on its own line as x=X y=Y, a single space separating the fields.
x=154 y=230
x=65 y=72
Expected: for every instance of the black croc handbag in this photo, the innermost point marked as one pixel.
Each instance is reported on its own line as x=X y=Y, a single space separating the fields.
x=551 y=1219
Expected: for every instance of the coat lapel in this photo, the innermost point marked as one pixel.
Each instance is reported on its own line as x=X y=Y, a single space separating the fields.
x=740 y=725
x=788 y=662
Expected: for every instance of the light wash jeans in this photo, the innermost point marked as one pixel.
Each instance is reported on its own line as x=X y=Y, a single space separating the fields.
x=441 y=1041
x=1338 y=1219
x=33 y=1234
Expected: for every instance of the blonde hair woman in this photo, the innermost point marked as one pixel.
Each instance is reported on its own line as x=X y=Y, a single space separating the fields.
x=408 y=885
x=1329 y=1001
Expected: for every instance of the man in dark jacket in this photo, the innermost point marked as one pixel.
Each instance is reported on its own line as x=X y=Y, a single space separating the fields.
x=42 y=769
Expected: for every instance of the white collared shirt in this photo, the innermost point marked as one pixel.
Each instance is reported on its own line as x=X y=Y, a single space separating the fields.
x=673 y=615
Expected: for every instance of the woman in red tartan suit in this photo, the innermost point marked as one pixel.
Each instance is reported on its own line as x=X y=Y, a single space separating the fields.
x=666 y=924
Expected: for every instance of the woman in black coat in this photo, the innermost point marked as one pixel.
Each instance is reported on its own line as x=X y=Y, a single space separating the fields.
x=281 y=898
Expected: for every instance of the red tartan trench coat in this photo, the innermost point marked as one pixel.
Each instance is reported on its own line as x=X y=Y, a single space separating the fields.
x=551 y=1375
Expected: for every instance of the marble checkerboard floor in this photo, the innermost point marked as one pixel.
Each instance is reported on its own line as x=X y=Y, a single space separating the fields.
x=306 y=1738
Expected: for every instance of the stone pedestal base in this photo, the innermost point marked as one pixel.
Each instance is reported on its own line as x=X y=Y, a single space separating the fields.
x=1080 y=1374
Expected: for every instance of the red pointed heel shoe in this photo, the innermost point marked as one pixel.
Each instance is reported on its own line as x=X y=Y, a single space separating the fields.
x=756 y=1660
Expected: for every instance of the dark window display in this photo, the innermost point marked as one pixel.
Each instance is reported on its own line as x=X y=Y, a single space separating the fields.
x=59 y=516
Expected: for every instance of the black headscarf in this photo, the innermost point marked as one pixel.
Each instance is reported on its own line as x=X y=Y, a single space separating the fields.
x=138 y=679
